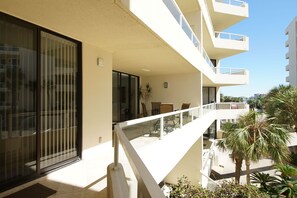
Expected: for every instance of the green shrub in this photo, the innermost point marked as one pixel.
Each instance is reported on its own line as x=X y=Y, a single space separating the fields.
x=293 y=159
x=184 y=189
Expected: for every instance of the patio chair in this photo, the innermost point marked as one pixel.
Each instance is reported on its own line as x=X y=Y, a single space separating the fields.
x=156 y=108
x=186 y=114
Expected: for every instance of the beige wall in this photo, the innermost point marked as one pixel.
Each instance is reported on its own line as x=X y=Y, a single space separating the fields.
x=97 y=96
x=182 y=88
x=190 y=165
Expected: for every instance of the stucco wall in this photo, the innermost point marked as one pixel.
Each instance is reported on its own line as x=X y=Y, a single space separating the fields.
x=97 y=96
x=182 y=88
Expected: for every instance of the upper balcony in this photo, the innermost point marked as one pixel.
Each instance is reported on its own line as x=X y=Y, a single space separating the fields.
x=288 y=79
x=287 y=67
x=226 y=76
x=287 y=43
x=287 y=55
x=231 y=41
x=225 y=13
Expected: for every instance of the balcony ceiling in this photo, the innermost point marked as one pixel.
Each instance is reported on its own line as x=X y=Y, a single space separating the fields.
x=106 y=25
x=188 y=5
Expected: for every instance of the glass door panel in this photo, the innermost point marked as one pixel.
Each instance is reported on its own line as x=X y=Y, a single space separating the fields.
x=133 y=97
x=17 y=102
x=124 y=97
x=116 y=103
x=58 y=100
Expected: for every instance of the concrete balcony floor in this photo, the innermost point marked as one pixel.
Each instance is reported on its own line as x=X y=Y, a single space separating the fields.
x=83 y=179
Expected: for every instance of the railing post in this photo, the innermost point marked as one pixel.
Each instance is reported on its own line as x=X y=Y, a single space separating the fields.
x=116 y=150
x=181 y=120
x=161 y=127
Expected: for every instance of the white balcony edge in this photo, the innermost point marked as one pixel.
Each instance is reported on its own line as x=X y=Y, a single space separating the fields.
x=146 y=182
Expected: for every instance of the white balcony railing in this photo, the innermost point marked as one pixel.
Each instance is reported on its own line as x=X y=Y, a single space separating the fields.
x=231 y=105
x=117 y=185
x=231 y=71
x=230 y=36
x=233 y=2
x=181 y=20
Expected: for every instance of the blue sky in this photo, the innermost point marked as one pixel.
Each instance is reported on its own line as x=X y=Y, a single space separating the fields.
x=265 y=60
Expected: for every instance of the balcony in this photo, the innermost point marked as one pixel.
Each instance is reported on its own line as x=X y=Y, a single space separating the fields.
x=287 y=43
x=287 y=67
x=287 y=55
x=231 y=41
x=225 y=13
x=231 y=76
x=288 y=79
x=144 y=154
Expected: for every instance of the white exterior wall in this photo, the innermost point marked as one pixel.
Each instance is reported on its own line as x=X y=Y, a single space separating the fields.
x=292 y=52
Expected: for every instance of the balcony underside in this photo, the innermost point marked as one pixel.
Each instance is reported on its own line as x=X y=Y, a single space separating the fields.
x=106 y=25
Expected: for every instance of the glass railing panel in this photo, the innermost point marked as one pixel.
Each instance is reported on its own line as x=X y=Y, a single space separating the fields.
x=187 y=118
x=149 y=128
x=195 y=113
x=186 y=28
x=223 y=106
x=208 y=108
x=171 y=123
x=173 y=9
x=232 y=71
x=233 y=2
x=230 y=36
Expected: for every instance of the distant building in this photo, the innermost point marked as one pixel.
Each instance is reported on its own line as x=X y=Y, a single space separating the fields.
x=291 y=55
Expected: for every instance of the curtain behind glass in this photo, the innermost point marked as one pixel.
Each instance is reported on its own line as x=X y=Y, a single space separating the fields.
x=58 y=99
x=17 y=102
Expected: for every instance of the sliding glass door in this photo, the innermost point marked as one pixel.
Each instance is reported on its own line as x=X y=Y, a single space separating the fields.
x=40 y=108
x=124 y=96
x=17 y=101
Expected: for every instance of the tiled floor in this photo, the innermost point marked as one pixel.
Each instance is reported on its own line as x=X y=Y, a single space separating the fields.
x=86 y=178
x=83 y=179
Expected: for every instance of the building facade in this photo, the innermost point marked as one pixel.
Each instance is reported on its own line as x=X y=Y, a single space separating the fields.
x=291 y=55
x=71 y=70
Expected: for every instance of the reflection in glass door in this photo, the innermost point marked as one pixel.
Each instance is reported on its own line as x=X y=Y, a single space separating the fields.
x=17 y=102
x=39 y=127
x=124 y=96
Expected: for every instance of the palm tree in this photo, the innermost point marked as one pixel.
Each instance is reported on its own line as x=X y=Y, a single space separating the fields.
x=230 y=142
x=255 y=137
x=281 y=103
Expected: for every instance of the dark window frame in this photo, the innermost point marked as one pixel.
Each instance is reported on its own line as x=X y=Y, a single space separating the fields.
x=129 y=87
